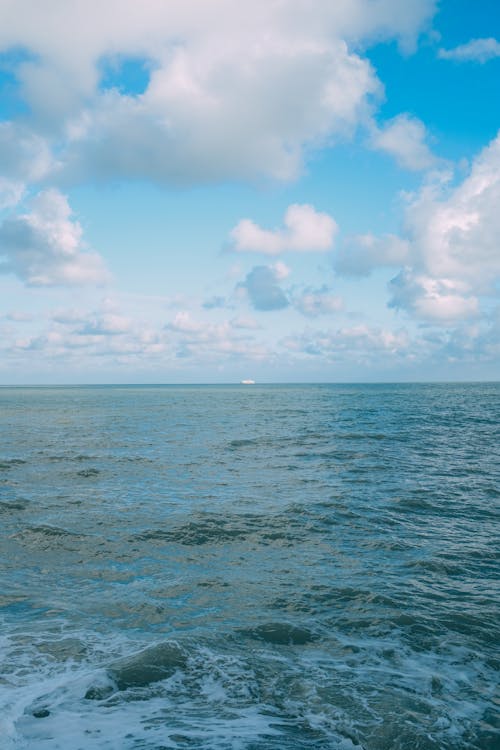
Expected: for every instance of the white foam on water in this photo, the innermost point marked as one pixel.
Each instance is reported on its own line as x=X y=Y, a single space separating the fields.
x=209 y=703
x=440 y=696
x=352 y=693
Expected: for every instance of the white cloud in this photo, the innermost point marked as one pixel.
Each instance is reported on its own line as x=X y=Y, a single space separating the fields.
x=477 y=50
x=45 y=247
x=11 y=192
x=356 y=343
x=106 y=324
x=281 y=270
x=205 y=341
x=437 y=300
x=24 y=155
x=404 y=138
x=25 y=158
x=107 y=320
x=77 y=336
x=361 y=254
x=264 y=292
x=183 y=323
x=215 y=112
x=314 y=302
x=235 y=90
x=80 y=338
x=449 y=247
x=454 y=231
x=306 y=230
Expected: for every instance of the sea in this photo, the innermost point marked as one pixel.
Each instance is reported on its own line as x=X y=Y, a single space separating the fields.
x=250 y=567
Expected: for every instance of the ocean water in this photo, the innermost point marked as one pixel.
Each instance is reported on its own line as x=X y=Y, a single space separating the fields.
x=250 y=567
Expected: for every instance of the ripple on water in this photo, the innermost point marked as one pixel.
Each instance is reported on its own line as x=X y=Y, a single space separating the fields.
x=287 y=568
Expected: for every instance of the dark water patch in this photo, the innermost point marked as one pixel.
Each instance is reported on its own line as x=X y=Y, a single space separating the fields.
x=218 y=530
x=330 y=455
x=195 y=534
x=50 y=531
x=46 y=537
x=349 y=594
x=244 y=443
x=152 y=665
x=101 y=690
x=438 y=566
x=137 y=459
x=63 y=649
x=421 y=501
x=10 y=506
x=333 y=601
x=280 y=633
x=13 y=599
x=362 y=436
x=88 y=472
x=264 y=441
x=213 y=584
x=386 y=543
x=9 y=463
x=41 y=713
x=69 y=457
x=469 y=624
x=491 y=491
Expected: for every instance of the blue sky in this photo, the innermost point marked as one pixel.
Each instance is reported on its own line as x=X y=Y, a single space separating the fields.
x=207 y=191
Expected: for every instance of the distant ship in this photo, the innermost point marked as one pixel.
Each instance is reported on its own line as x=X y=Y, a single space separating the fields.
x=248 y=382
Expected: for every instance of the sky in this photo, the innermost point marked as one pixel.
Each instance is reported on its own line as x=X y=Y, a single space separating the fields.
x=203 y=191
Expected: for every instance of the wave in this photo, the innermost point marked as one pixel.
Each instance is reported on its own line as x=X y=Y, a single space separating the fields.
x=286 y=693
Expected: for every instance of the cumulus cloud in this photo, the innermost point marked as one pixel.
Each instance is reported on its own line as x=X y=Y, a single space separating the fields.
x=24 y=155
x=45 y=247
x=453 y=231
x=404 y=138
x=437 y=300
x=305 y=230
x=234 y=90
x=11 y=192
x=361 y=254
x=263 y=290
x=212 y=113
x=477 y=50
x=315 y=302
x=448 y=250
x=25 y=158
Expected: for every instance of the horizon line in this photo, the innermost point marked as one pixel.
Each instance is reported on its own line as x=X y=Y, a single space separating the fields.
x=248 y=385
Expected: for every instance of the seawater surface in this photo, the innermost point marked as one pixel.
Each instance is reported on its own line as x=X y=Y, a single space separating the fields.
x=250 y=567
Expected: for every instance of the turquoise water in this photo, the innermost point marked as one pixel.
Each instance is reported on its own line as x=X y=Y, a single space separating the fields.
x=250 y=567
